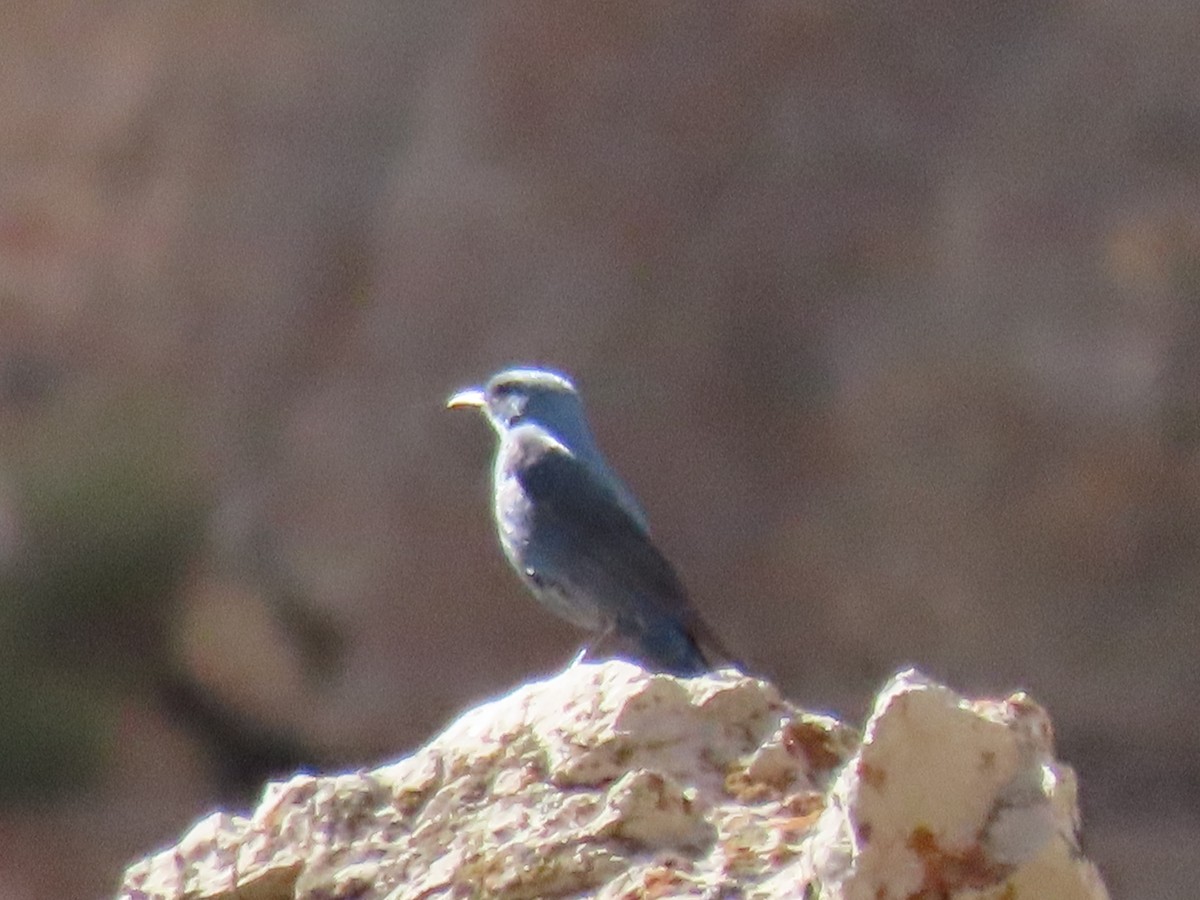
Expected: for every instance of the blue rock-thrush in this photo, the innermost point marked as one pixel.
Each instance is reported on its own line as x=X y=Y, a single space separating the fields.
x=575 y=534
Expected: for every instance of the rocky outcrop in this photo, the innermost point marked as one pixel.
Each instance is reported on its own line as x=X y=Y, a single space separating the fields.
x=607 y=781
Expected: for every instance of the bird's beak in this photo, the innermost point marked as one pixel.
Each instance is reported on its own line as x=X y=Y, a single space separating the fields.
x=470 y=397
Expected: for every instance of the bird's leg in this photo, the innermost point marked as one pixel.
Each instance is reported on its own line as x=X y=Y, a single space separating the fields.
x=589 y=648
x=578 y=657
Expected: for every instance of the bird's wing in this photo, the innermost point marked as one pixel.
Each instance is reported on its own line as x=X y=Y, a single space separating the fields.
x=593 y=540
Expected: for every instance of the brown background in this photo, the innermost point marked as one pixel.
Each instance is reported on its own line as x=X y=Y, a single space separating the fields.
x=889 y=313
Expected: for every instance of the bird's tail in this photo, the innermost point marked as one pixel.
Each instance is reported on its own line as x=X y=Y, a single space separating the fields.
x=712 y=648
x=667 y=646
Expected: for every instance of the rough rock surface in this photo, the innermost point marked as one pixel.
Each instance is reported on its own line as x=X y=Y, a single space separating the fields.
x=606 y=781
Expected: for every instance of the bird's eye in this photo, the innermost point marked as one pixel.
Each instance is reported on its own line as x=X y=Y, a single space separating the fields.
x=509 y=403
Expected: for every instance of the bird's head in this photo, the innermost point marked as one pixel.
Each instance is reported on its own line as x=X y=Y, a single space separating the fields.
x=519 y=399
x=527 y=395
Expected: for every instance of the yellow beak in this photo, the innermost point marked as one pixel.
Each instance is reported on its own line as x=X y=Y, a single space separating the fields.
x=471 y=397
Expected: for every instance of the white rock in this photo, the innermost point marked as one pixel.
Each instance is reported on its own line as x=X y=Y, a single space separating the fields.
x=952 y=798
x=610 y=782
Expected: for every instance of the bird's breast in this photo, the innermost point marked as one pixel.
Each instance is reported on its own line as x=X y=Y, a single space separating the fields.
x=514 y=517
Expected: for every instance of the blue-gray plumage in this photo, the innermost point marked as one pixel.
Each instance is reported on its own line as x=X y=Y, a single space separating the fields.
x=574 y=532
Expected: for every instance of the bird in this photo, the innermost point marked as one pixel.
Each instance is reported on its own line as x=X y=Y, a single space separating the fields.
x=576 y=535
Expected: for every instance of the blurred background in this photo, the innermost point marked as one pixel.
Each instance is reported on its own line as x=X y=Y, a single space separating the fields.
x=889 y=313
